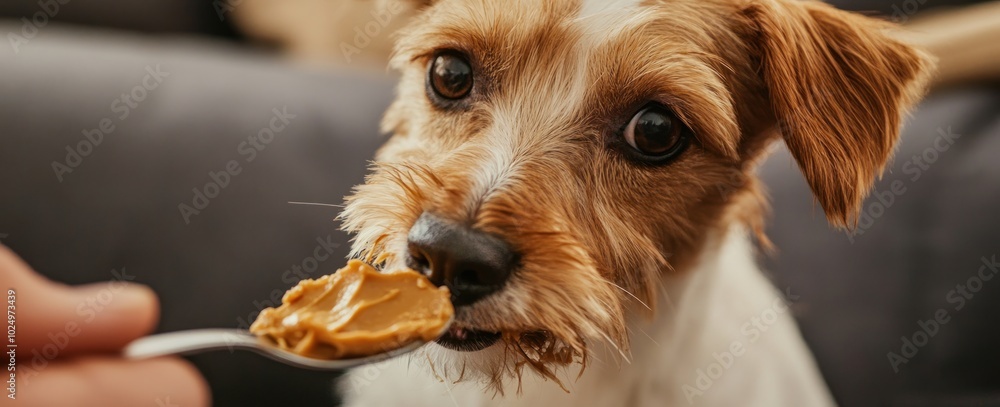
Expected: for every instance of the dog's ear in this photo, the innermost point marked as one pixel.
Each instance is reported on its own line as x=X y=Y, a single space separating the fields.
x=838 y=86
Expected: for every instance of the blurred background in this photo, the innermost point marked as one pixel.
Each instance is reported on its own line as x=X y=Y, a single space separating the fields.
x=164 y=139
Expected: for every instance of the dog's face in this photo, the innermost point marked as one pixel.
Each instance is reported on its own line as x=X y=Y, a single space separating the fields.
x=552 y=159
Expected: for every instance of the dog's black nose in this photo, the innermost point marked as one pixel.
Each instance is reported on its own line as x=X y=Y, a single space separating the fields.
x=472 y=264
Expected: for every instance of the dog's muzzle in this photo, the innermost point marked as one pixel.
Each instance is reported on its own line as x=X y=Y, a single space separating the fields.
x=471 y=263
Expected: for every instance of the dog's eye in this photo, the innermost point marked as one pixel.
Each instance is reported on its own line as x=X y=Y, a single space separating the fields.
x=450 y=75
x=656 y=134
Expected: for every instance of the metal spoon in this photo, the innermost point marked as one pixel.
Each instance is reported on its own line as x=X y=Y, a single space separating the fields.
x=205 y=340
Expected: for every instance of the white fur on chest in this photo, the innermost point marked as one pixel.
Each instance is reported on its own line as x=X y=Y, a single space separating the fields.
x=723 y=336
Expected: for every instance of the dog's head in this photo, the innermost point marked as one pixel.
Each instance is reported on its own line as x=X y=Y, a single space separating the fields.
x=550 y=160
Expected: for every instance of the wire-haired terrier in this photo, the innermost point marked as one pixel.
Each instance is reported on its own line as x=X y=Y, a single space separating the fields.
x=581 y=175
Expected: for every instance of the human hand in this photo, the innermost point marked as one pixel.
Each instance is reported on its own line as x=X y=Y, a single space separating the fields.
x=67 y=339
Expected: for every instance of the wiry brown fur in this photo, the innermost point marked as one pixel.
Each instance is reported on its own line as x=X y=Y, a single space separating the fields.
x=839 y=101
x=528 y=158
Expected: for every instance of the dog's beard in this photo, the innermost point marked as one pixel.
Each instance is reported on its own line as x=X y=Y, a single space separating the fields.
x=502 y=366
x=553 y=306
x=540 y=333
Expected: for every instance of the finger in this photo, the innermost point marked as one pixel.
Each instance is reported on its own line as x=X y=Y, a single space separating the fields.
x=14 y=271
x=111 y=382
x=56 y=320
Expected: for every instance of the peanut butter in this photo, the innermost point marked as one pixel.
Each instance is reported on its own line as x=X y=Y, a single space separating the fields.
x=356 y=312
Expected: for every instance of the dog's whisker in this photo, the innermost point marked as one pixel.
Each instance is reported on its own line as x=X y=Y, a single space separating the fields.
x=316 y=204
x=433 y=370
x=594 y=356
x=665 y=293
x=614 y=345
x=461 y=374
x=450 y=394
x=630 y=294
x=650 y=337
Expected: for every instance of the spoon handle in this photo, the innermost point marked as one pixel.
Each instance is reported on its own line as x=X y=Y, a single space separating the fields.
x=205 y=340
x=189 y=342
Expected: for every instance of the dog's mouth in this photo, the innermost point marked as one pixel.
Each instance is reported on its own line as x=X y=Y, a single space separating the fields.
x=468 y=340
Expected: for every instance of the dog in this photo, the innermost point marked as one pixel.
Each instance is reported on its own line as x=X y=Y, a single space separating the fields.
x=581 y=175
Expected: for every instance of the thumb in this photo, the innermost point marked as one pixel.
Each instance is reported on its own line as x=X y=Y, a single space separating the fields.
x=56 y=320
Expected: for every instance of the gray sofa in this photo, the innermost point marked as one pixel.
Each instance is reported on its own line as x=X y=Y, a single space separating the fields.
x=154 y=198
